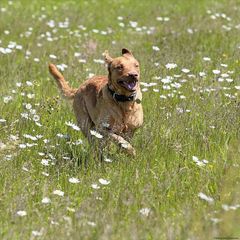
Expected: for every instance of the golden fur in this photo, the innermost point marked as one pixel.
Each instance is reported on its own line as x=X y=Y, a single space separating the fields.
x=94 y=106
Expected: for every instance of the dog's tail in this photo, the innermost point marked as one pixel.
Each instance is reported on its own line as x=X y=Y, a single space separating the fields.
x=66 y=90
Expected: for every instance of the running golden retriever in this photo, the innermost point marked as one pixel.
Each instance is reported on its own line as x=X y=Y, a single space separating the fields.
x=111 y=104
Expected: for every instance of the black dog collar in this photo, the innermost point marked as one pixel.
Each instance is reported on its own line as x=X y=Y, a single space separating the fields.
x=121 y=98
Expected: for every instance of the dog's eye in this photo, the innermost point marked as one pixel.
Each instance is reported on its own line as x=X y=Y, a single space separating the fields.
x=136 y=65
x=119 y=67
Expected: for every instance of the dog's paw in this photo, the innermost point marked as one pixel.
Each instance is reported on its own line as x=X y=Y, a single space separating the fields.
x=132 y=152
x=129 y=149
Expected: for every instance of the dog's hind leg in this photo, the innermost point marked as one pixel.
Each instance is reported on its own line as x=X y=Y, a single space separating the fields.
x=86 y=124
x=83 y=119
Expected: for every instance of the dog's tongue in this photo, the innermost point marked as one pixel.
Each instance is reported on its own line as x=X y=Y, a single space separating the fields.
x=130 y=85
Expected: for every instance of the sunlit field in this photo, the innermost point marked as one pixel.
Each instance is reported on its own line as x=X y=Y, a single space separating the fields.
x=184 y=182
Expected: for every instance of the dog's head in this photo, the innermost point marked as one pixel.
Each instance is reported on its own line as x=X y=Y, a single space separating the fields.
x=124 y=72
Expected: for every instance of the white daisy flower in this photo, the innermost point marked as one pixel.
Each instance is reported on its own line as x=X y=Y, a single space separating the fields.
x=7 y=99
x=133 y=24
x=53 y=56
x=77 y=54
x=205 y=197
x=185 y=70
x=120 y=18
x=58 y=192
x=45 y=162
x=96 y=134
x=36 y=118
x=224 y=65
x=21 y=213
x=171 y=65
x=206 y=59
x=74 y=180
x=95 y=186
x=156 y=48
x=82 y=60
x=224 y=75
x=73 y=126
x=22 y=145
x=103 y=181
x=46 y=200
x=229 y=80
x=145 y=211
x=45 y=174
x=108 y=160
x=195 y=159
x=36 y=233
x=62 y=66
x=121 y=24
x=93 y=224
x=28 y=83
x=216 y=71
x=28 y=106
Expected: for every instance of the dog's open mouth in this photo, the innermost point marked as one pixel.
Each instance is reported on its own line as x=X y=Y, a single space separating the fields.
x=129 y=85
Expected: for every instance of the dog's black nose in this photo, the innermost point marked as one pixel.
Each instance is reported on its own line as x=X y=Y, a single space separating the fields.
x=133 y=74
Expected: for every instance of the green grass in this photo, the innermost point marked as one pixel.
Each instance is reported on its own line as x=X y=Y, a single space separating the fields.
x=163 y=177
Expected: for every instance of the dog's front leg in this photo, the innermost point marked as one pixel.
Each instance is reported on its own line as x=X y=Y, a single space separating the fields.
x=123 y=143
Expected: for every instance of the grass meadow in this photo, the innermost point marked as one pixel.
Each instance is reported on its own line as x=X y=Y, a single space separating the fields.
x=184 y=182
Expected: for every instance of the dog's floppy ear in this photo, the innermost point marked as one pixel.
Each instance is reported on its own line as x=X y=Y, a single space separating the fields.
x=107 y=57
x=125 y=51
